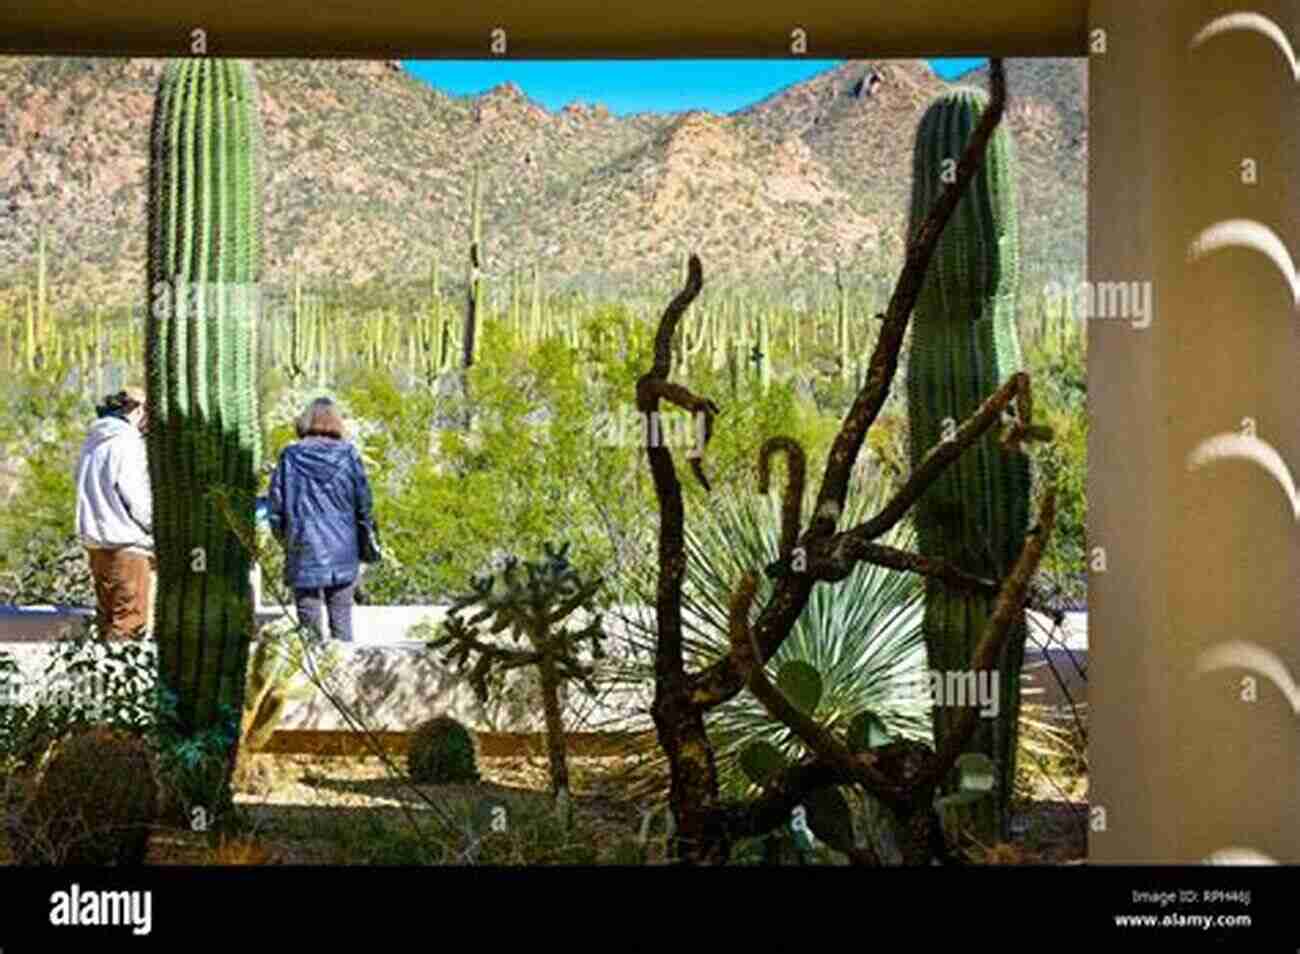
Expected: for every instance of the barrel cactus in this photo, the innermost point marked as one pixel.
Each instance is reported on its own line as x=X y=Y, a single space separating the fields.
x=94 y=804
x=442 y=753
x=964 y=346
x=204 y=265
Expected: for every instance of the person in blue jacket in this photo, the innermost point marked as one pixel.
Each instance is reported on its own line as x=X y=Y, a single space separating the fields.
x=319 y=504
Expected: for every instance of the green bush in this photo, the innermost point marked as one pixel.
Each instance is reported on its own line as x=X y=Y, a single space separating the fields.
x=539 y=464
x=1058 y=372
x=43 y=427
x=861 y=637
x=533 y=469
x=89 y=683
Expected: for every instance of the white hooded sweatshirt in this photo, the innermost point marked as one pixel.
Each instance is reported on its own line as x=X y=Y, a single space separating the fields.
x=114 y=500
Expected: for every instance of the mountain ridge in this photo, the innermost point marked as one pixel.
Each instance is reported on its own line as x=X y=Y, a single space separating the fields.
x=369 y=170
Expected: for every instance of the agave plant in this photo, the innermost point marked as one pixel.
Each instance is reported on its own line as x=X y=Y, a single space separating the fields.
x=862 y=637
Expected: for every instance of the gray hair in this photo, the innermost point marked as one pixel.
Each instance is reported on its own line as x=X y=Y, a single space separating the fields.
x=322 y=416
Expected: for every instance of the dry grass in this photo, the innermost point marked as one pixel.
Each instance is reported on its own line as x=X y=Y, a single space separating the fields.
x=240 y=850
x=318 y=810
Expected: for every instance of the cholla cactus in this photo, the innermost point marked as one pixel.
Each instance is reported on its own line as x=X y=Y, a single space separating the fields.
x=533 y=606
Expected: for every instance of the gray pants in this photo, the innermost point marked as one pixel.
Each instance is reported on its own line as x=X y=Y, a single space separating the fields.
x=338 y=601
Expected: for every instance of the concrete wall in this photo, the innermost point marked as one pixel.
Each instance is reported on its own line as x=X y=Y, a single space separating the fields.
x=389 y=681
x=386 y=679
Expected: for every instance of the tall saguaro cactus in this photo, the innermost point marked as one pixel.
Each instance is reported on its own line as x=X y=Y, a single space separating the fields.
x=964 y=347
x=474 y=294
x=205 y=263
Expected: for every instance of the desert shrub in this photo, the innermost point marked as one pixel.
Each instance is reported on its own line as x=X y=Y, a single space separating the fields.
x=280 y=671
x=862 y=637
x=94 y=803
x=89 y=683
x=86 y=682
x=42 y=427
x=193 y=767
x=533 y=469
x=1058 y=370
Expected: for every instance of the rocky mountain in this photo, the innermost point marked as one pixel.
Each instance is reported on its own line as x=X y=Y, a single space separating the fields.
x=369 y=171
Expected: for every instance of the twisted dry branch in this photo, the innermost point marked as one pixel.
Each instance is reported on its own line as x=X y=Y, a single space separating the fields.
x=792 y=500
x=721 y=681
x=835 y=557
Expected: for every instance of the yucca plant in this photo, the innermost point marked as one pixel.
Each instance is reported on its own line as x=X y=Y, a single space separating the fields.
x=863 y=636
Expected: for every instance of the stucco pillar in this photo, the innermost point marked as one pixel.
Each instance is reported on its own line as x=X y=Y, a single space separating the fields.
x=1183 y=764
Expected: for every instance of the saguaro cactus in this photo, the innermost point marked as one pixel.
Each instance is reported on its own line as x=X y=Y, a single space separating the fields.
x=205 y=262
x=964 y=346
x=474 y=295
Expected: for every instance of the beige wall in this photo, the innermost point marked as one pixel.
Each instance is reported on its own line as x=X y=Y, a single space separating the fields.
x=1180 y=764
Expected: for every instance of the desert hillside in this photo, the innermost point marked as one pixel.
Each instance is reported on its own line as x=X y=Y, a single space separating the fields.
x=369 y=171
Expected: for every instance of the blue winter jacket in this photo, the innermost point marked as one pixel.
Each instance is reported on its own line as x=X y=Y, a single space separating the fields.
x=318 y=493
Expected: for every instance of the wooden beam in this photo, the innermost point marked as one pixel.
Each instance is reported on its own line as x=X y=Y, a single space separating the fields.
x=396 y=29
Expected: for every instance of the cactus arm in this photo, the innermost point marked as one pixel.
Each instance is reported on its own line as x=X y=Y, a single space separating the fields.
x=792 y=499
x=30 y=329
x=42 y=311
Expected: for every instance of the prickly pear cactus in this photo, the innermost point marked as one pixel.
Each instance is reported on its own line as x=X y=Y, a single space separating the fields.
x=963 y=347
x=205 y=263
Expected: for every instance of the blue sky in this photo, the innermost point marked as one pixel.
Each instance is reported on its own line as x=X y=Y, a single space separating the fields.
x=630 y=86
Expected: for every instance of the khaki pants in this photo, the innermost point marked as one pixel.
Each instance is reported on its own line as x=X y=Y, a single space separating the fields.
x=123 y=592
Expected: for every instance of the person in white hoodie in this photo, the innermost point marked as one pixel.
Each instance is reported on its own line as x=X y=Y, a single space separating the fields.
x=115 y=516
